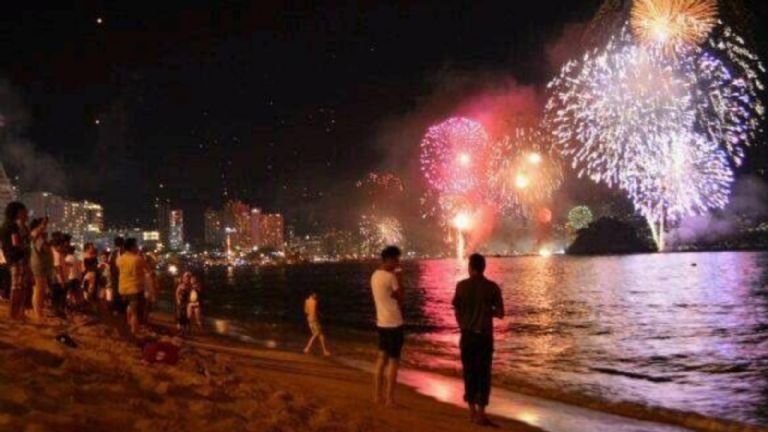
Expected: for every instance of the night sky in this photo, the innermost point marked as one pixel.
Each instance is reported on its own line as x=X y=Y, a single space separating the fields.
x=283 y=105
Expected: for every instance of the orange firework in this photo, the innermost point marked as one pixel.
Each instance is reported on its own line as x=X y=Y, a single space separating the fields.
x=673 y=24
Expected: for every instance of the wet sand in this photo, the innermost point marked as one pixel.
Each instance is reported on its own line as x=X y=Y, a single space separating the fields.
x=103 y=384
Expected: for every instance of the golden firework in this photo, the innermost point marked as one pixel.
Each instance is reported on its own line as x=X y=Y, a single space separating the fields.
x=673 y=24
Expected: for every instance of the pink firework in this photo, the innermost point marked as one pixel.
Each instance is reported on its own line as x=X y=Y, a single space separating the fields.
x=453 y=156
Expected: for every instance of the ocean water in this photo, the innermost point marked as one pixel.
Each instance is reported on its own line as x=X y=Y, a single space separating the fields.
x=686 y=332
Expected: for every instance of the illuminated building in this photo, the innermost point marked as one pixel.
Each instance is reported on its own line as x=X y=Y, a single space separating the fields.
x=236 y=219
x=214 y=228
x=163 y=214
x=77 y=218
x=176 y=230
x=7 y=194
x=271 y=231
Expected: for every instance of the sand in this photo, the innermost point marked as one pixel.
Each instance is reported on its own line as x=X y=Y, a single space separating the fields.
x=219 y=385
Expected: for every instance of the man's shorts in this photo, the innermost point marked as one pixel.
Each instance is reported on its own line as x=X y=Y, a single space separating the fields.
x=134 y=302
x=315 y=327
x=391 y=341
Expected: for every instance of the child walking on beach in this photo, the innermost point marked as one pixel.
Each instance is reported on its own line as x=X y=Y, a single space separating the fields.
x=313 y=319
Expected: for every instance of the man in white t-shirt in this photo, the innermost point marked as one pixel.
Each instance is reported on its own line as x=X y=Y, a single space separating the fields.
x=388 y=295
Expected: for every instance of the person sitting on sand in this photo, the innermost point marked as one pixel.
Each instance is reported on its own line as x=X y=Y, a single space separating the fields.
x=313 y=319
x=388 y=295
x=132 y=270
x=476 y=303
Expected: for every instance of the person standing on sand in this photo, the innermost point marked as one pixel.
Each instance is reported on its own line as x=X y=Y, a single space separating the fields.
x=14 y=237
x=313 y=320
x=41 y=264
x=476 y=302
x=388 y=294
x=182 y=301
x=132 y=269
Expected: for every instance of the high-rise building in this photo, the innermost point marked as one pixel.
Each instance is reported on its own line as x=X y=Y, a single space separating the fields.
x=236 y=219
x=176 y=228
x=7 y=193
x=256 y=227
x=163 y=221
x=94 y=216
x=214 y=228
x=74 y=217
x=272 y=231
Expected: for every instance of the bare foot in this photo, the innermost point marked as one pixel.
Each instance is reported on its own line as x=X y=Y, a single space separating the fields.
x=327 y=353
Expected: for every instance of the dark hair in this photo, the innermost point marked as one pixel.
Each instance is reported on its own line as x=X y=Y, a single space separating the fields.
x=119 y=241
x=131 y=244
x=35 y=223
x=13 y=209
x=477 y=262
x=56 y=238
x=390 y=252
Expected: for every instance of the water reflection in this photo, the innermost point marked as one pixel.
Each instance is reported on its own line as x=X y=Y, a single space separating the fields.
x=683 y=331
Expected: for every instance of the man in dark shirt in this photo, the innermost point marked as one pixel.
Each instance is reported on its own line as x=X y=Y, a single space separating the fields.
x=476 y=302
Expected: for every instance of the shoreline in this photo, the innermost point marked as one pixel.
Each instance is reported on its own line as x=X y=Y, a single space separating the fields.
x=218 y=384
x=355 y=352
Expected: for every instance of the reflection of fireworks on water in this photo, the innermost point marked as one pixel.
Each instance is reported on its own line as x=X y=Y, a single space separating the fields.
x=580 y=217
x=673 y=24
x=379 y=232
x=522 y=174
x=452 y=156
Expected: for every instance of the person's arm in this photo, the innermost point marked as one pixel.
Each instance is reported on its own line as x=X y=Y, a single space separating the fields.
x=35 y=233
x=398 y=291
x=498 y=303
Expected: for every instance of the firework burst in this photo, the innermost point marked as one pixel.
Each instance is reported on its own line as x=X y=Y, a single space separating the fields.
x=452 y=156
x=379 y=232
x=667 y=129
x=673 y=25
x=522 y=173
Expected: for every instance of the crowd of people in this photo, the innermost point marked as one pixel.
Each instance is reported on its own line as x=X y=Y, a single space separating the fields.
x=46 y=274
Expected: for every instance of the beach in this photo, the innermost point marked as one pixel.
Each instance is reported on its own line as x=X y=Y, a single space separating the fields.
x=218 y=384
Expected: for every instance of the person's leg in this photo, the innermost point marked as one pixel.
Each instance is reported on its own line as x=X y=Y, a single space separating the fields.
x=40 y=290
x=467 y=364
x=310 y=343
x=322 y=344
x=17 y=292
x=484 y=362
x=392 y=368
x=132 y=315
x=378 y=376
